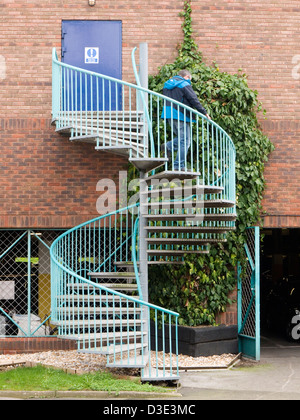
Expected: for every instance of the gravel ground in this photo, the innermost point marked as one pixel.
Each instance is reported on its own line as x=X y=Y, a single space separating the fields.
x=91 y=363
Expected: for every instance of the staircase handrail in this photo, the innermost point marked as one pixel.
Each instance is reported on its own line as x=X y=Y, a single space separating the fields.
x=185 y=109
x=141 y=89
x=106 y=289
x=62 y=275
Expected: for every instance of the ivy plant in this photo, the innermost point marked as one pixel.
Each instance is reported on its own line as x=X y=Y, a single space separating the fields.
x=199 y=289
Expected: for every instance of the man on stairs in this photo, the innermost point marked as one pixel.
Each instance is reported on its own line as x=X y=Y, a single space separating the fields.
x=179 y=88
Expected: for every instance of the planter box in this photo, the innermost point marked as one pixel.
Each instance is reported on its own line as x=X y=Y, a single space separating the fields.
x=199 y=341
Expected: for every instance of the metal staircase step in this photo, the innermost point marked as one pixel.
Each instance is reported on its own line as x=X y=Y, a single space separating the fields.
x=86 y=298
x=99 y=323
x=118 y=150
x=184 y=241
x=159 y=374
x=68 y=311
x=191 y=204
x=150 y=262
x=120 y=146
x=108 y=132
x=113 y=123
x=110 y=144
x=105 y=337
x=160 y=190
x=165 y=262
x=121 y=286
x=174 y=253
x=115 y=286
x=148 y=164
x=112 y=275
x=220 y=217
x=172 y=175
x=65 y=130
x=108 y=114
x=118 y=349
x=189 y=229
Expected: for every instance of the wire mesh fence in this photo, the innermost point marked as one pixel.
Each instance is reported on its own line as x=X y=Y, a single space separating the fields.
x=25 y=284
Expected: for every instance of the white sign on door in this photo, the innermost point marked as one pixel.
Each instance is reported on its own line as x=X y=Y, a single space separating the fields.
x=91 y=55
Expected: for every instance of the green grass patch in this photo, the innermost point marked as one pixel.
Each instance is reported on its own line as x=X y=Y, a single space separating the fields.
x=40 y=378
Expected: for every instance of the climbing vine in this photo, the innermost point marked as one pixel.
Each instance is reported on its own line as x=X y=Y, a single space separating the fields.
x=199 y=289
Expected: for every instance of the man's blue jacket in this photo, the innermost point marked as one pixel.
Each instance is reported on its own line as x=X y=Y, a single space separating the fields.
x=181 y=90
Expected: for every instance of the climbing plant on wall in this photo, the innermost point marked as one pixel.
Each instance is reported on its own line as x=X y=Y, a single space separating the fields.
x=199 y=289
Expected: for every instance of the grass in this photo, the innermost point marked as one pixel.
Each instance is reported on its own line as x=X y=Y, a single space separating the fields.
x=40 y=378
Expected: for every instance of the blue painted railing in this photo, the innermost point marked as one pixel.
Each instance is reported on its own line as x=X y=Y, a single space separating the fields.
x=211 y=153
x=128 y=125
x=91 y=317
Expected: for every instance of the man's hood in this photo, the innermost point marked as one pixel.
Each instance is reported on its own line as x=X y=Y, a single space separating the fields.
x=176 y=81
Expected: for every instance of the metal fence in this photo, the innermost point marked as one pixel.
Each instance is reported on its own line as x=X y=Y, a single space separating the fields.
x=25 y=283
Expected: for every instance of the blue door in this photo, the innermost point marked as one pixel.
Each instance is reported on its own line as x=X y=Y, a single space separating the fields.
x=249 y=297
x=95 y=46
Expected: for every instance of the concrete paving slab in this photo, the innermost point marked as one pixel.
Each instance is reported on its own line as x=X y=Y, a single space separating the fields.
x=275 y=377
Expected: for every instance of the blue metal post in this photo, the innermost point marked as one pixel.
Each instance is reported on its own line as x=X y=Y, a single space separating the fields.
x=257 y=290
x=29 y=280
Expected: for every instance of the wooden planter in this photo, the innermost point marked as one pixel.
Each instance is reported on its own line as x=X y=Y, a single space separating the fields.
x=199 y=341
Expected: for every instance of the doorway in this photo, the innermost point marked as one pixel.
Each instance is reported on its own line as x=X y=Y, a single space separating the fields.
x=280 y=285
x=95 y=46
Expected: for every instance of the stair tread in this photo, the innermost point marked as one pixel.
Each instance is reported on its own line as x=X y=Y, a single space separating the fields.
x=116 y=132
x=184 y=241
x=190 y=204
x=148 y=164
x=164 y=262
x=172 y=175
x=108 y=285
x=71 y=324
x=75 y=310
x=113 y=274
x=159 y=374
x=200 y=216
x=111 y=144
x=175 y=252
x=193 y=190
x=107 y=113
x=115 y=349
x=190 y=229
x=96 y=298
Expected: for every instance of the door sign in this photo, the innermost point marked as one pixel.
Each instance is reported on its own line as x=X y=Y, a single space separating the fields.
x=91 y=55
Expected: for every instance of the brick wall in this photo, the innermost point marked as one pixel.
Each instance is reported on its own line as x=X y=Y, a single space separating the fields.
x=262 y=38
x=19 y=345
x=47 y=181
x=60 y=178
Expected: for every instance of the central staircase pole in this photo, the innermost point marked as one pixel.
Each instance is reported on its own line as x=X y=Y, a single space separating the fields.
x=143 y=76
x=143 y=257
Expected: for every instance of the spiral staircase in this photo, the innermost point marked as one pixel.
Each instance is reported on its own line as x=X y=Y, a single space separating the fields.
x=99 y=270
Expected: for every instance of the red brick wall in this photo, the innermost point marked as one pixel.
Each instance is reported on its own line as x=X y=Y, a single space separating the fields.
x=261 y=38
x=45 y=180
x=34 y=345
x=60 y=178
